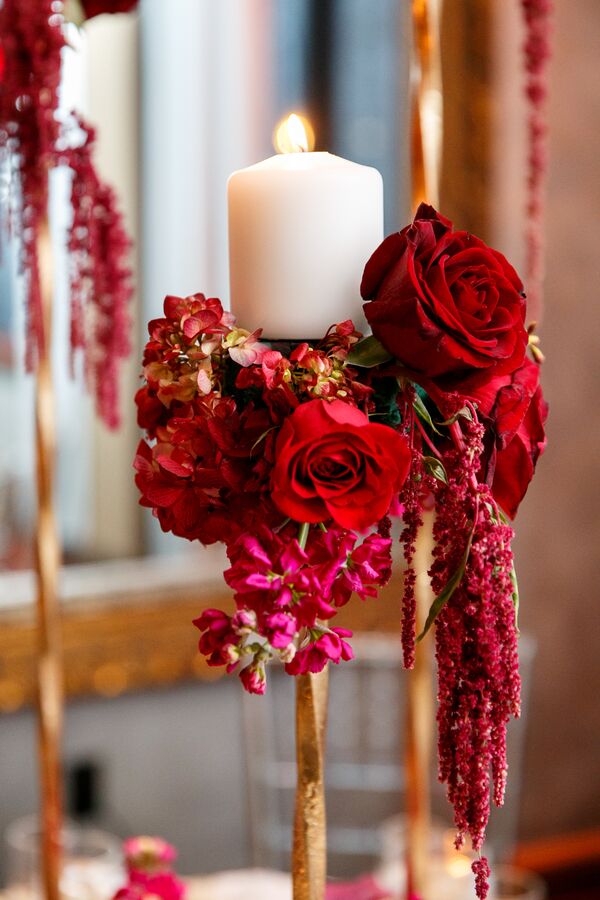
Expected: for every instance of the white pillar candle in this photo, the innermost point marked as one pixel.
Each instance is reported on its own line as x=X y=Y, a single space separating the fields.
x=301 y=228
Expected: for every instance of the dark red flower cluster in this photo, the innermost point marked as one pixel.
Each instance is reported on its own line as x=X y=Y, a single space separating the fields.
x=451 y=311
x=242 y=439
x=34 y=141
x=214 y=402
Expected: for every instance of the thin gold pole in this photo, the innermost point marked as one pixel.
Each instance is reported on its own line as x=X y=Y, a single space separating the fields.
x=426 y=146
x=419 y=728
x=49 y=669
x=309 y=851
x=427 y=102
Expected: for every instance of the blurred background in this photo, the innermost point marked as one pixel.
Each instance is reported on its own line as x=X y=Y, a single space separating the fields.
x=183 y=93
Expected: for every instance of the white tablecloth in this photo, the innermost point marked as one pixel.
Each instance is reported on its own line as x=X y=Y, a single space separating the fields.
x=248 y=884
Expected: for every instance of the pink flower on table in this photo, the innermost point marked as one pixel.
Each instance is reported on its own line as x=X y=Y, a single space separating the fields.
x=162 y=886
x=144 y=852
x=148 y=861
x=365 y=888
x=329 y=647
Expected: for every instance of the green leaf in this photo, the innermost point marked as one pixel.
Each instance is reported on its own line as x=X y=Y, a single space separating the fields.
x=261 y=438
x=368 y=353
x=463 y=413
x=303 y=534
x=423 y=413
x=436 y=468
x=445 y=594
x=515 y=596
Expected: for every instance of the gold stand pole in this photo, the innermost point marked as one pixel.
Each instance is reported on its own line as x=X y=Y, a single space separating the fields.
x=426 y=146
x=419 y=728
x=427 y=102
x=50 y=696
x=309 y=851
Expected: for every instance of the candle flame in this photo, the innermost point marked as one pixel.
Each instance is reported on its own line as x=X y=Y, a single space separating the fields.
x=294 y=134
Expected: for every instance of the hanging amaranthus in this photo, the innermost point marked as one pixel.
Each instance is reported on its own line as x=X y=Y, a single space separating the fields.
x=536 y=49
x=34 y=140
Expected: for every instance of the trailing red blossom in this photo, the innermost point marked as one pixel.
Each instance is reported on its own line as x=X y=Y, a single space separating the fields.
x=411 y=499
x=33 y=141
x=31 y=41
x=537 y=50
x=476 y=640
x=100 y=276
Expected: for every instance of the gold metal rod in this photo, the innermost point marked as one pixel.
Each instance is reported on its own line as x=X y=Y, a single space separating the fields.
x=427 y=102
x=309 y=851
x=419 y=728
x=426 y=151
x=47 y=553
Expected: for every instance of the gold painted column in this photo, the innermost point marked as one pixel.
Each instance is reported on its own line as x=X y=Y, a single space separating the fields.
x=47 y=553
x=309 y=851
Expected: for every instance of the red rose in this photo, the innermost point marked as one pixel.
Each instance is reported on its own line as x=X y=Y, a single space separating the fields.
x=97 y=7
x=446 y=305
x=332 y=463
x=515 y=406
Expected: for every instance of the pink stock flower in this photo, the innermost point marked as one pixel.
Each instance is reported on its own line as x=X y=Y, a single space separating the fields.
x=280 y=628
x=217 y=635
x=254 y=679
x=266 y=564
x=367 y=568
x=330 y=646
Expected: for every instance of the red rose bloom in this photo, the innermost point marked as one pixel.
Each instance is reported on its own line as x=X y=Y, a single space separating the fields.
x=97 y=7
x=446 y=305
x=516 y=408
x=332 y=463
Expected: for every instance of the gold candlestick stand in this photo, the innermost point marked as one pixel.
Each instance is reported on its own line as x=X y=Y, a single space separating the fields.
x=309 y=850
x=47 y=553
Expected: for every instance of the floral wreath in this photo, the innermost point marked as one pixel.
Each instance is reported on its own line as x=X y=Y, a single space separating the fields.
x=298 y=457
